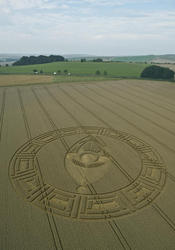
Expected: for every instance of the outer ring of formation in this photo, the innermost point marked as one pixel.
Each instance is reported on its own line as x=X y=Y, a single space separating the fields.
x=26 y=177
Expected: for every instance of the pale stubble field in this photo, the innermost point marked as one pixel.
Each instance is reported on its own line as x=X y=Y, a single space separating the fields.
x=88 y=166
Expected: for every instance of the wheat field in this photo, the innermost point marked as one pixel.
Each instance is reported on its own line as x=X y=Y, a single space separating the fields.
x=13 y=80
x=88 y=166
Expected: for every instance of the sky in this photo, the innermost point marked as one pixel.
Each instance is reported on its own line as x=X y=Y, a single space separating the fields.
x=94 y=27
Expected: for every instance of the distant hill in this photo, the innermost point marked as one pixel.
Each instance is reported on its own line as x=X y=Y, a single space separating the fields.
x=147 y=58
x=69 y=56
x=8 y=58
x=169 y=58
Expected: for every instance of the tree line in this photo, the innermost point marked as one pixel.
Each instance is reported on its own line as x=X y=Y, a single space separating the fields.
x=29 y=60
x=157 y=72
x=94 y=60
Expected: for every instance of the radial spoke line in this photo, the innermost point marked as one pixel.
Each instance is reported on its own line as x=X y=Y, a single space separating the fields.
x=80 y=124
x=24 y=115
x=123 y=171
x=91 y=188
x=132 y=111
x=58 y=131
x=136 y=103
x=172 y=177
x=58 y=243
x=2 y=112
x=50 y=119
x=158 y=209
x=164 y=216
x=50 y=218
x=52 y=122
x=77 y=121
x=160 y=97
x=147 y=100
x=63 y=107
x=121 y=238
x=85 y=108
x=126 y=120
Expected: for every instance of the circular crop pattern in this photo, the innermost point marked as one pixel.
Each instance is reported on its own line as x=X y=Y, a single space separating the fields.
x=88 y=161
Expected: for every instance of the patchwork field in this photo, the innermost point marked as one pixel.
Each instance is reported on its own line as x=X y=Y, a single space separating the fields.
x=88 y=166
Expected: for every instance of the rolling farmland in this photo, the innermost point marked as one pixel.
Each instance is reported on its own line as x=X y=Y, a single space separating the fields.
x=88 y=166
x=81 y=69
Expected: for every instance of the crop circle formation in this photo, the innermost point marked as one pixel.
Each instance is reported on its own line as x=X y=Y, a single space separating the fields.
x=87 y=161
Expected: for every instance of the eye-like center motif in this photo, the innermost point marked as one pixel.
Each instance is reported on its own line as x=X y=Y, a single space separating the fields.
x=89 y=158
x=86 y=163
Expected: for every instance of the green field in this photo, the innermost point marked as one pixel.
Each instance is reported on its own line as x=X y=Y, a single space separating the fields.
x=114 y=69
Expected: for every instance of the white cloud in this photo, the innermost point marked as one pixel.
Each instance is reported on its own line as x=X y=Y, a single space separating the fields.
x=51 y=4
x=27 y=4
x=107 y=2
x=63 y=29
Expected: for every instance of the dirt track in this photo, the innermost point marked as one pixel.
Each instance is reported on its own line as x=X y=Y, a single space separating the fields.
x=88 y=166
